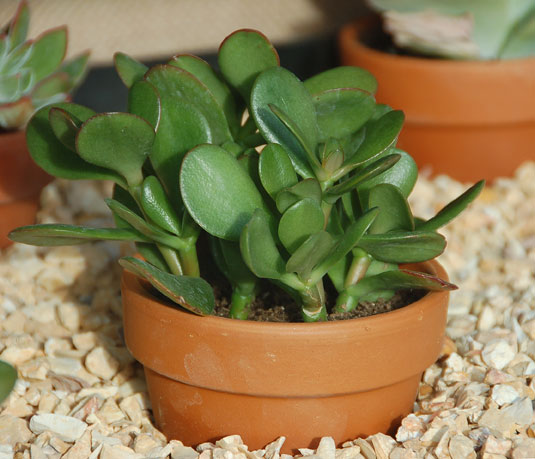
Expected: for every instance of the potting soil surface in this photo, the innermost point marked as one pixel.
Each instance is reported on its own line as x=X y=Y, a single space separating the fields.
x=80 y=394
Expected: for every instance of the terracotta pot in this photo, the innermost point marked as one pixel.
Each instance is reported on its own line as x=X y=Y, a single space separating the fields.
x=209 y=377
x=21 y=182
x=467 y=119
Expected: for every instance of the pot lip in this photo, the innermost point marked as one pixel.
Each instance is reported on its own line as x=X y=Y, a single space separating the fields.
x=351 y=32
x=132 y=283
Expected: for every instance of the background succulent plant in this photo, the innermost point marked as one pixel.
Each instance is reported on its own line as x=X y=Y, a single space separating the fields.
x=326 y=198
x=466 y=29
x=8 y=377
x=32 y=72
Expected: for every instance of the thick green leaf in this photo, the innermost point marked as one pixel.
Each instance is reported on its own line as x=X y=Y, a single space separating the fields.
x=360 y=176
x=313 y=251
x=15 y=61
x=65 y=126
x=344 y=244
x=152 y=255
x=117 y=141
x=521 y=38
x=281 y=88
x=59 y=234
x=125 y=198
x=380 y=136
x=276 y=169
x=338 y=272
x=342 y=111
x=10 y=88
x=394 y=210
x=158 y=207
x=54 y=86
x=129 y=69
x=403 y=175
x=218 y=193
x=342 y=77
x=76 y=69
x=8 y=377
x=177 y=83
x=18 y=28
x=299 y=221
x=351 y=205
x=144 y=101
x=229 y=260
x=219 y=89
x=192 y=293
x=309 y=188
x=56 y=159
x=398 y=247
x=48 y=52
x=451 y=210
x=243 y=55
x=332 y=156
x=259 y=249
x=380 y=110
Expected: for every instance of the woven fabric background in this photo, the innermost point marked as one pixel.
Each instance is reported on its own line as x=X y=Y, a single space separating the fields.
x=150 y=29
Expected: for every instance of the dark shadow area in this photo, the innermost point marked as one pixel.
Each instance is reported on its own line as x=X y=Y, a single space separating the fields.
x=103 y=91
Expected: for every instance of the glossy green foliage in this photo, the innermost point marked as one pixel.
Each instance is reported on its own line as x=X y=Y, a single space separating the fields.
x=8 y=377
x=307 y=183
x=192 y=293
x=32 y=72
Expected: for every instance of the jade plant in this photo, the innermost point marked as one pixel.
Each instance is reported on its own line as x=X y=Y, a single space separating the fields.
x=8 y=377
x=293 y=184
x=461 y=29
x=33 y=72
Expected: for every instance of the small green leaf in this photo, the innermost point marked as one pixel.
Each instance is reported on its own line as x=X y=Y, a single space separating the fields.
x=56 y=85
x=259 y=249
x=380 y=136
x=206 y=75
x=56 y=159
x=451 y=210
x=350 y=238
x=275 y=169
x=152 y=255
x=129 y=69
x=8 y=377
x=229 y=260
x=403 y=175
x=218 y=193
x=157 y=205
x=59 y=234
x=281 y=88
x=332 y=156
x=399 y=247
x=65 y=126
x=298 y=222
x=117 y=141
x=342 y=77
x=309 y=188
x=394 y=210
x=48 y=52
x=243 y=55
x=192 y=293
x=361 y=175
x=342 y=111
x=125 y=198
x=312 y=252
x=144 y=101
x=18 y=29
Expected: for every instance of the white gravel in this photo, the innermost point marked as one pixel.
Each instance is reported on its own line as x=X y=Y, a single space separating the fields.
x=81 y=395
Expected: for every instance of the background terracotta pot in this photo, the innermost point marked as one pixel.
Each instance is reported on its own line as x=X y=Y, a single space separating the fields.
x=21 y=182
x=209 y=376
x=467 y=119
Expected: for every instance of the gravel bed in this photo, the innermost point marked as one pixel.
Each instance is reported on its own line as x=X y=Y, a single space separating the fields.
x=81 y=395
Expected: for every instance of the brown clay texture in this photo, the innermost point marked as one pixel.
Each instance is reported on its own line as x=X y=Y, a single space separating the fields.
x=21 y=181
x=342 y=379
x=467 y=119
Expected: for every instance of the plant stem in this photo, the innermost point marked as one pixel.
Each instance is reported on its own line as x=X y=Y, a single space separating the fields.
x=326 y=207
x=359 y=266
x=345 y=302
x=189 y=261
x=242 y=297
x=171 y=258
x=313 y=303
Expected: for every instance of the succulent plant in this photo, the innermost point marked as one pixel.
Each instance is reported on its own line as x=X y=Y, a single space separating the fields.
x=8 y=377
x=325 y=198
x=465 y=29
x=32 y=72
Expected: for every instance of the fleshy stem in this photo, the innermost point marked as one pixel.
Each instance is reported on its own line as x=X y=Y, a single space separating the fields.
x=189 y=261
x=359 y=266
x=313 y=303
x=242 y=296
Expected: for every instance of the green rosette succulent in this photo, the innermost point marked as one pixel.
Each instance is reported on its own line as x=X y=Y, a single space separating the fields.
x=297 y=183
x=461 y=29
x=33 y=72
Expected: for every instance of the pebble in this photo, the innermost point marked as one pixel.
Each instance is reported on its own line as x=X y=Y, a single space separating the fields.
x=60 y=324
